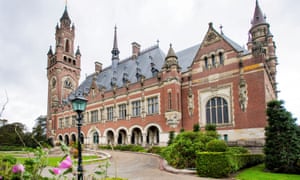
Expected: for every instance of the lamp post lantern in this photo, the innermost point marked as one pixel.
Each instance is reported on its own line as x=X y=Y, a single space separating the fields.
x=79 y=105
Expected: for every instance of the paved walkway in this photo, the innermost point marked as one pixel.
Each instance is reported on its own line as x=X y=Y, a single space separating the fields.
x=136 y=166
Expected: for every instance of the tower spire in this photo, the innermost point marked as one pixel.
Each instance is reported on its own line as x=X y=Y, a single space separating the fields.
x=115 y=51
x=258 y=17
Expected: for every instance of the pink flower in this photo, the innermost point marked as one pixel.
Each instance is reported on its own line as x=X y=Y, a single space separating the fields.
x=65 y=164
x=18 y=168
x=56 y=171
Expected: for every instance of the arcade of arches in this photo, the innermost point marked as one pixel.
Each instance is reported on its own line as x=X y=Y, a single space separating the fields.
x=136 y=135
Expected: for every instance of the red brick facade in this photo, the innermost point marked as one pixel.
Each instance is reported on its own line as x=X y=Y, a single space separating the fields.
x=224 y=84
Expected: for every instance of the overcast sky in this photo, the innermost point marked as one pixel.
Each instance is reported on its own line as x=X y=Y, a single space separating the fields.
x=27 y=29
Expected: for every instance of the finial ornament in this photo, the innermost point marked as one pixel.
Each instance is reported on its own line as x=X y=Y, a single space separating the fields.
x=221 y=29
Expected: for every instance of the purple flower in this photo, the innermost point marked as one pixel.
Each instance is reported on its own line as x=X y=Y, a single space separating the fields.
x=65 y=164
x=18 y=168
x=56 y=171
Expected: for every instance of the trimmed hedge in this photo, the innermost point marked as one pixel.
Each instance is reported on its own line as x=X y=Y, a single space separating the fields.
x=130 y=147
x=222 y=164
x=11 y=148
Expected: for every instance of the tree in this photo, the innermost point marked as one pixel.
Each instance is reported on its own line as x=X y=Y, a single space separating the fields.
x=8 y=134
x=282 y=147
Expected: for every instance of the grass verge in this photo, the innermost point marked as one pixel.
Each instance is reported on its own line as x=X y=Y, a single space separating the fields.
x=258 y=173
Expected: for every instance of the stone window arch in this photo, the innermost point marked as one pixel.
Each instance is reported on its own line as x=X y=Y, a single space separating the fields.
x=217 y=111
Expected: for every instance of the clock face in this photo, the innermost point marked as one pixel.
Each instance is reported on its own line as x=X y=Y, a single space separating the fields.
x=68 y=84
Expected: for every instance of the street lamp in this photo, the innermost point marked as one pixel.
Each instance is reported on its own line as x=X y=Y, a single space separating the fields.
x=79 y=105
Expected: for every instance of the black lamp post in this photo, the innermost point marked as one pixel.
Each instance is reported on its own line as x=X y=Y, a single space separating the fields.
x=79 y=105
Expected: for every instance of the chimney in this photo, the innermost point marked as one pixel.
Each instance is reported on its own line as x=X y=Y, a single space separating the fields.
x=135 y=50
x=98 y=67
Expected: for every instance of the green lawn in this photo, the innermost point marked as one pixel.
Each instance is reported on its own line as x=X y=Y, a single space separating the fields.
x=258 y=173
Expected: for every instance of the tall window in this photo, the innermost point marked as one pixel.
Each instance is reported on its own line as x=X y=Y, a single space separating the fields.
x=60 y=123
x=122 y=111
x=110 y=113
x=67 y=122
x=221 y=58
x=152 y=105
x=169 y=100
x=213 y=60
x=67 y=46
x=73 y=120
x=94 y=116
x=217 y=111
x=206 y=62
x=136 y=108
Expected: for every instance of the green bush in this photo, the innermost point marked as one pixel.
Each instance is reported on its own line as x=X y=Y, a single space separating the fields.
x=210 y=127
x=246 y=160
x=216 y=145
x=130 y=147
x=221 y=164
x=11 y=148
x=182 y=152
x=237 y=150
x=155 y=150
x=213 y=164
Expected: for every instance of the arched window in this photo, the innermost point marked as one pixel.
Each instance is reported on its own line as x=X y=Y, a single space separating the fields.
x=217 y=111
x=96 y=138
x=206 y=62
x=221 y=58
x=67 y=46
x=213 y=61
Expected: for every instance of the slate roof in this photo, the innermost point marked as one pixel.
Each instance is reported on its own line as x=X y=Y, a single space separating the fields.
x=148 y=60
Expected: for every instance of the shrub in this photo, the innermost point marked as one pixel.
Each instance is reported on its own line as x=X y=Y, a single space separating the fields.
x=240 y=161
x=210 y=127
x=182 y=152
x=213 y=164
x=155 y=150
x=171 y=137
x=196 y=127
x=221 y=164
x=237 y=150
x=216 y=145
x=11 y=148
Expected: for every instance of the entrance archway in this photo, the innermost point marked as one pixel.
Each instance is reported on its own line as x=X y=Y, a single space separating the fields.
x=153 y=135
x=73 y=138
x=95 y=138
x=67 y=142
x=110 y=137
x=122 y=137
x=136 y=136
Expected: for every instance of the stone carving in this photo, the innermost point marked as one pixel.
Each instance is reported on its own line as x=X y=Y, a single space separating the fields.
x=243 y=94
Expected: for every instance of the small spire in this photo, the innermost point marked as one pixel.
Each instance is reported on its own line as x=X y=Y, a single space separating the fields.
x=50 y=52
x=258 y=17
x=115 y=51
x=78 y=51
x=171 y=52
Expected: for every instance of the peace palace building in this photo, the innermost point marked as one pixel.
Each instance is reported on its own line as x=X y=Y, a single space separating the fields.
x=140 y=99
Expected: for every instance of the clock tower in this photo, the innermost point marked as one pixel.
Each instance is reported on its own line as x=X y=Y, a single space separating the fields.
x=63 y=70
